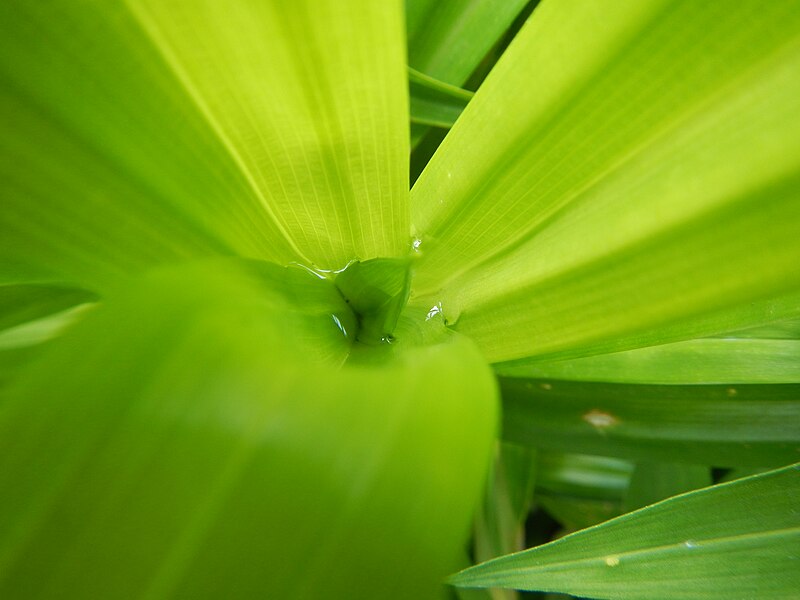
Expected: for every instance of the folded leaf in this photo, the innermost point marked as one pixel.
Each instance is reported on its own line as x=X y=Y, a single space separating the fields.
x=738 y=540
x=311 y=99
x=640 y=187
x=743 y=425
x=196 y=436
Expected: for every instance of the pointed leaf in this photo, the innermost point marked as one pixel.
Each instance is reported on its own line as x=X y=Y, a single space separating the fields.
x=738 y=540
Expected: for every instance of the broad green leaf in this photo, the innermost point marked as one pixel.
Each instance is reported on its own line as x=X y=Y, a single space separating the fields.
x=196 y=436
x=738 y=540
x=640 y=186
x=106 y=164
x=653 y=481
x=743 y=425
x=433 y=102
x=711 y=360
x=311 y=99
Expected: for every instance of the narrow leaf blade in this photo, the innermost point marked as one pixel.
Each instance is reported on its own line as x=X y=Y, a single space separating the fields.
x=737 y=540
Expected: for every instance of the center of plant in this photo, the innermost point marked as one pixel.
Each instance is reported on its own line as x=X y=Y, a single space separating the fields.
x=376 y=290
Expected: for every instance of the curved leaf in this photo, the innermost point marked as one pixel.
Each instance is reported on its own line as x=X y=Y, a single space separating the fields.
x=196 y=436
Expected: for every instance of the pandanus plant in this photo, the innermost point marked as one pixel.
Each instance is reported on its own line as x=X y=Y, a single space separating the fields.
x=241 y=360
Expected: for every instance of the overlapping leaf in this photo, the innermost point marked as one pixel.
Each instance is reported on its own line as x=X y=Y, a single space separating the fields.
x=311 y=99
x=617 y=192
x=737 y=540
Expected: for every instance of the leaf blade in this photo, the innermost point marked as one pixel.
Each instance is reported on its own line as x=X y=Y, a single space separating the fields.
x=328 y=152
x=575 y=192
x=197 y=435
x=633 y=556
x=749 y=425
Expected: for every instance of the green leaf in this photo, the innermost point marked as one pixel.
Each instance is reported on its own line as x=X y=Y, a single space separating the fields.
x=737 y=541
x=41 y=330
x=500 y=523
x=498 y=528
x=311 y=99
x=23 y=303
x=578 y=513
x=448 y=40
x=196 y=436
x=107 y=166
x=377 y=290
x=583 y=476
x=640 y=186
x=433 y=102
x=713 y=360
x=652 y=482
x=745 y=425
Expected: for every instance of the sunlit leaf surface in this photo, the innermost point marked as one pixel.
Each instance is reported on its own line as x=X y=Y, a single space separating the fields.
x=629 y=179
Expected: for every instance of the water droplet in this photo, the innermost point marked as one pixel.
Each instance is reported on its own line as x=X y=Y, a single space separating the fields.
x=436 y=309
x=339 y=325
x=599 y=419
x=690 y=544
x=387 y=339
x=416 y=244
x=612 y=561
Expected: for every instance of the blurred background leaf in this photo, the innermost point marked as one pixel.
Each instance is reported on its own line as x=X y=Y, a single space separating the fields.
x=197 y=436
